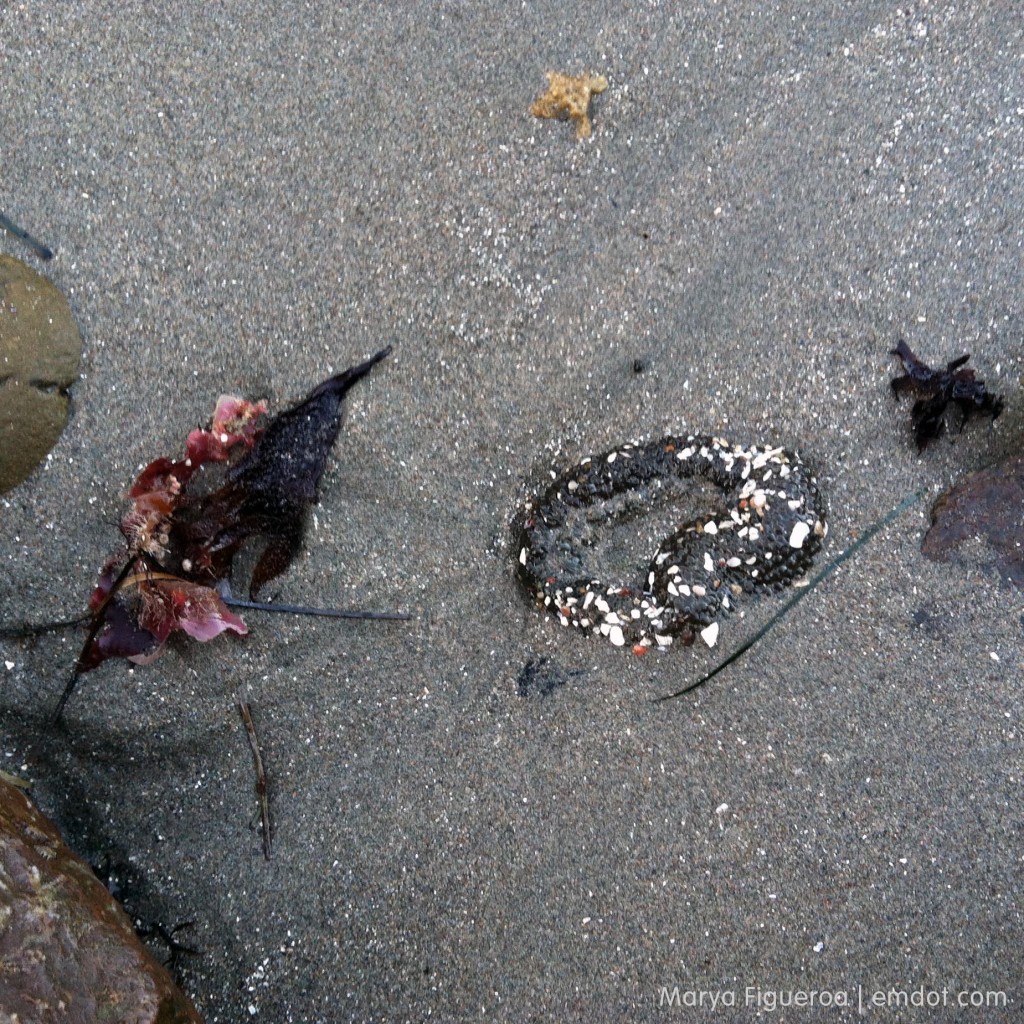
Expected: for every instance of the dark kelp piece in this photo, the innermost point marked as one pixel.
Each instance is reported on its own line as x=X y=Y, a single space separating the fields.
x=180 y=545
x=987 y=504
x=268 y=492
x=937 y=389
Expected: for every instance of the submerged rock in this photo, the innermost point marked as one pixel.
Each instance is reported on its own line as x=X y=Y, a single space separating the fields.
x=68 y=951
x=40 y=348
x=988 y=504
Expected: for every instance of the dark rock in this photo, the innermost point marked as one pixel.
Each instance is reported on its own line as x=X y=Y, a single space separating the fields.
x=989 y=504
x=68 y=951
x=40 y=349
x=934 y=623
x=542 y=676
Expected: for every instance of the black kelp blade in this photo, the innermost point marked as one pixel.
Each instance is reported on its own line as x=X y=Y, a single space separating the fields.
x=268 y=492
x=285 y=465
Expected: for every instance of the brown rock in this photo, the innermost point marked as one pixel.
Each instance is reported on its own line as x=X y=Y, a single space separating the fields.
x=40 y=349
x=988 y=504
x=68 y=952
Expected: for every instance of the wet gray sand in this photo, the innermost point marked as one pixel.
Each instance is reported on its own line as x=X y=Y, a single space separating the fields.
x=247 y=197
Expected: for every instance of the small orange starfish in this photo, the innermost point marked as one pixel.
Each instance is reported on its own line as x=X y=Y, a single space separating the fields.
x=569 y=96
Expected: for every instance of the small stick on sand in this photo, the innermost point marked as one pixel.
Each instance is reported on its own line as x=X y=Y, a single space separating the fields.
x=42 y=251
x=261 y=775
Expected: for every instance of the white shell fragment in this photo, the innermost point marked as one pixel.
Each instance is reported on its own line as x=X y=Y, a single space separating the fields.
x=710 y=634
x=801 y=531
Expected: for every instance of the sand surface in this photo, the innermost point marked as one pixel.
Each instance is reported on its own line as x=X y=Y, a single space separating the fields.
x=246 y=197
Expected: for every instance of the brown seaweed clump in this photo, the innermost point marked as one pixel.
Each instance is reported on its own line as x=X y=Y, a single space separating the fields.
x=955 y=384
x=568 y=96
x=180 y=542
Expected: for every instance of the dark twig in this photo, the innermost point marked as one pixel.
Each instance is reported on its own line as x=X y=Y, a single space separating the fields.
x=299 y=609
x=42 y=251
x=97 y=625
x=802 y=593
x=261 y=775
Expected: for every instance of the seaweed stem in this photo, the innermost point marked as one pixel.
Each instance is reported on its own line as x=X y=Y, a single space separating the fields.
x=24 y=631
x=300 y=609
x=42 y=251
x=97 y=625
x=863 y=539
